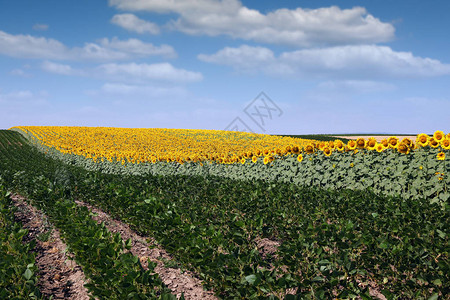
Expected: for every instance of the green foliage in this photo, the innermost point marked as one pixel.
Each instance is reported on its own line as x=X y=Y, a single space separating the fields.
x=388 y=173
x=17 y=265
x=113 y=272
x=333 y=243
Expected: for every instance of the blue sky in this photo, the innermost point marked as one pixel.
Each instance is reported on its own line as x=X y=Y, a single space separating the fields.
x=325 y=66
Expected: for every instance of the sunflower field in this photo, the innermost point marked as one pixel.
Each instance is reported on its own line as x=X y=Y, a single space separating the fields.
x=251 y=216
x=391 y=167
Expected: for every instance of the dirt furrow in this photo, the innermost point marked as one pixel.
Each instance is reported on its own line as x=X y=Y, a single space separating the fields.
x=59 y=276
x=146 y=248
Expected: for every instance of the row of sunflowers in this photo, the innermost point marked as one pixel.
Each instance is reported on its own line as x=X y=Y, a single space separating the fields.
x=136 y=145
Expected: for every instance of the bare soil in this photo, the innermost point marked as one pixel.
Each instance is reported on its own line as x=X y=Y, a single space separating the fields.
x=144 y=247
x=58 y=275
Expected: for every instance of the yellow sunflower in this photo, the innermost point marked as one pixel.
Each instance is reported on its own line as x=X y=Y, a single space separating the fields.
x=439 y=135
x=371 y=143
x=299 y=158
x=309 y=149
x=243 y=161
x=351 y=145
x=361 y=143
x=385 y=143
x=254 y=159
x=393 y=142
x=327 y=151
x=403 y=148
x=407 y=142
x=266 y=160
x=339 y=145
x=422 y=139
x=379 y=147
x=296 y=149
x=446 y=144
x=433 y=142
x=440 y=156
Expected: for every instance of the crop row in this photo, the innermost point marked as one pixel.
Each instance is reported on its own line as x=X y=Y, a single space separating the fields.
x=330 y=243
x=114 y=273
x=419 y=174
x=17 y=264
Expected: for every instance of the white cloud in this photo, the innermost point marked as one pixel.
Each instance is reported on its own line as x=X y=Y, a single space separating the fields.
x=40 y=27
x=22 y=99
x=27 y=46
x=355 y=86
x=19 y=72
x=143 y=91
x=347 y=62
x=138 y=48
x=145 y=72
x=295 y=27
x=132 y=23
x=61 y=69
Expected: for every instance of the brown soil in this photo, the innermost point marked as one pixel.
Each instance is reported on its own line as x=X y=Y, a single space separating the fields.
x=146 y=248
x=267 y=247
x=58 y=275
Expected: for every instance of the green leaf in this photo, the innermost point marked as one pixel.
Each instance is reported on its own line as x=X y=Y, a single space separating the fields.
x=442 y=234
x=437 y=282
x=28 y=274
x=251 y=278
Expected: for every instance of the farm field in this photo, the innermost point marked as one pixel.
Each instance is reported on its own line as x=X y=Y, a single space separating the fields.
x=252 y=217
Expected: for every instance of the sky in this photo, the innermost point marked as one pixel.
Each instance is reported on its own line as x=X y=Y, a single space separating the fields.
x=276 y=67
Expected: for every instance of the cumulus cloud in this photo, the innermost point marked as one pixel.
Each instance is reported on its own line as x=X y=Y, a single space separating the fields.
x=296 y=27
x=350 y=62
x=22 y=98
x=19 y=72
x=355 y=86
x=145 y=72
x=61 y=69
x=28 y=46
x=40 y=27
x=143 y=91
x=132 y=23
x=138 y=48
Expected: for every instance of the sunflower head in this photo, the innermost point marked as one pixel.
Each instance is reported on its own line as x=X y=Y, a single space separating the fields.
x=446 y=144
x=299 y=158
x=338 y=144
x=433 y=142
x=393 y=142
x=288 y=149
x=331 y=145
x=422 y=139
x=360 y=143
x=407 y=142
x=327 y=151
x=296 y=149
x=380 y=147
x=440 y=156
x=385 y=143
x=243 y=161
x=266 y=152
x=266 y=160
x=309 y=149
x=351 y=145
x=403 y=148
x=371 y=143
x=254 y=159
x=438 y=135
